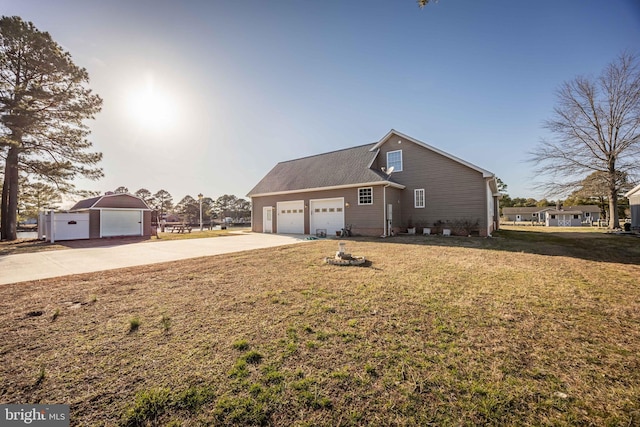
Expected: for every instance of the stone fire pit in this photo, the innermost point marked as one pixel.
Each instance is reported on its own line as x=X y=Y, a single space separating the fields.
x=343 y=258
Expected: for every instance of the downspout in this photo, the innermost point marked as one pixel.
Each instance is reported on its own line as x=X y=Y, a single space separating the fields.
x=384 y=210
x=387 y=225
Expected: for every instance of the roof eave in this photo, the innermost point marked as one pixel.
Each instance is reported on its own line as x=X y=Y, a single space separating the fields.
x=334 y=187
x=632 y=191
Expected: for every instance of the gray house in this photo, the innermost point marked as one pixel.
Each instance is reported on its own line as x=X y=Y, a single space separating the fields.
x=535 y=214
x=380 y=188
x=634 y=205
x=562 y=216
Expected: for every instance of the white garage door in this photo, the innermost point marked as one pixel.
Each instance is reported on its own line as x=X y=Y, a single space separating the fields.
x=327 y=214
x=70 y=226
x=290 y=217
x=121 y=223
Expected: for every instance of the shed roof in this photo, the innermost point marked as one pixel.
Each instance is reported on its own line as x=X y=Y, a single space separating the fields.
x=341 y=168
x=111 y=201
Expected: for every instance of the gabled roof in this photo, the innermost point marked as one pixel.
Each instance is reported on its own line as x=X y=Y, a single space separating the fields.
x=113 y=201
x=337 y=169
x=634 y=190
x=581 y=208
x=567 y=209
x=525 y=210
x=485 y=173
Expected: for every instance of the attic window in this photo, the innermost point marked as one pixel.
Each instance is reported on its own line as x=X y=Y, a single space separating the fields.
x=394 y=160
x=365 y=196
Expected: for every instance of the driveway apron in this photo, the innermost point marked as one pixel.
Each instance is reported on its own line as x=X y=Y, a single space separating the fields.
x=47 y=264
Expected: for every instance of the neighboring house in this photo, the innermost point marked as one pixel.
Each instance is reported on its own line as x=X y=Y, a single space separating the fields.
x=573 y=216
x=634 y=206
x=351 y=187
x=535 y=214
x=570 y=216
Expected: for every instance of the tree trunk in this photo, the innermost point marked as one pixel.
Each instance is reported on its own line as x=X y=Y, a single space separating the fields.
x=614 y=219
x=9 y=224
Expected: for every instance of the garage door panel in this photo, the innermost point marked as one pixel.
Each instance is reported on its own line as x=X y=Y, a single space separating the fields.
x=121 y=223
x=290 y=217
x=327 y=214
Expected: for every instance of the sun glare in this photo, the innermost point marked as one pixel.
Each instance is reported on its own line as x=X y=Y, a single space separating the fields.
x=151 y=109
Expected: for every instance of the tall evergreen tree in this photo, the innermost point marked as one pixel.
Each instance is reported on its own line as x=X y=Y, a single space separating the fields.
x=44 y=101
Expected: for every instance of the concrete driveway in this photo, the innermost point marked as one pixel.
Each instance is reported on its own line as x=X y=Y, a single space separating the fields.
x=43 y=265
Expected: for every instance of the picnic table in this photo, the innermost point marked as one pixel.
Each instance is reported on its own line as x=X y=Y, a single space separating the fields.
x=180 y=228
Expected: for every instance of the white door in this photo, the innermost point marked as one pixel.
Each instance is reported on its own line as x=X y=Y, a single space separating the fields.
x=267 y=219
x=116 y=222
x=290 y=217
x=326 y=214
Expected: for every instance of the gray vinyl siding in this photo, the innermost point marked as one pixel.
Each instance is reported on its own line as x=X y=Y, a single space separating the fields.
x=365 y=219
x=453 y=191
x=634 y=204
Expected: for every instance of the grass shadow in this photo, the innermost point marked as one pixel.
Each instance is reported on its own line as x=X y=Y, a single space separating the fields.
x=598 y=247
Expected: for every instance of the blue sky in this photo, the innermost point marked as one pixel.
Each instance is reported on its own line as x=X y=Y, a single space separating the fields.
x=236 y=86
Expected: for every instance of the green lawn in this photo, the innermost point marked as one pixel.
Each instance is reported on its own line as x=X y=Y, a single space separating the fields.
x=527 y=328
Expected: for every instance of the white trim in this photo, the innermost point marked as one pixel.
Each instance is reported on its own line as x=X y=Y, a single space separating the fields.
x=373 y=159
x=401 y=161
x=365 y=188
x=632 y=191
x=485 y=173
x=104 y=196
x=415 y=198
x=333 y=187
x=270 y=210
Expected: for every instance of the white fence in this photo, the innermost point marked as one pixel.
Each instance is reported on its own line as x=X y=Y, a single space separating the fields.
x=56 y=226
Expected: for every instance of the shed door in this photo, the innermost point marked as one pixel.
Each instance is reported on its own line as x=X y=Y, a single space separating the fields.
x=117 y=222
x=326 y=214
x=290 y=217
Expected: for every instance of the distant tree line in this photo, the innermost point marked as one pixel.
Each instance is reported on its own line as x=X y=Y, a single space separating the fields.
x=188 y=208
x=593 y=190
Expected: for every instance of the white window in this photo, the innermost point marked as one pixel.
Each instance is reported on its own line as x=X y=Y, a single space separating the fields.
x=394 y=160
x=587 y=214
x=365 y=196
x=418 y=198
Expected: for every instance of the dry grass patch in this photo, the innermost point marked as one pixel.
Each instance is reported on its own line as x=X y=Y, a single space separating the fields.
x=512 y=330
